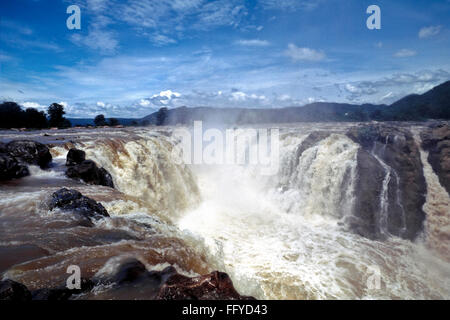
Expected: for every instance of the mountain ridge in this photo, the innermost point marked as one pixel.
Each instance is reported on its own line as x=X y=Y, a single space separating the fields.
x=433 y=104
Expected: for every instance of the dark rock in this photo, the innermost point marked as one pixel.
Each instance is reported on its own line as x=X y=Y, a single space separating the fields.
x=368 y=184
x=74 y=202
x=14 y=291
x=62 y=293
x=129 y=271
x=10 y=168
x=396 y=148
x=132 y=277
x=88 y=171
x=75 y=156
x=30 y=152
x=214 y=286
x=436 y=141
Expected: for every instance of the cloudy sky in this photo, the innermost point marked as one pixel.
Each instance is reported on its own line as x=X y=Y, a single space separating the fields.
x=132 y=57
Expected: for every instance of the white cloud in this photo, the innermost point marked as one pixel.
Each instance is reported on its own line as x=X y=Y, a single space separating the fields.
x=169 y=94
x=161 y=40
x=306 y=54
x=101 y=104
x=97 y=39
x=18 y=27
x=430 y=31
x=242 y=96
x=404 y=53
x=35 y=105
x=253 y=43
x=290 y=5
x=144 y=102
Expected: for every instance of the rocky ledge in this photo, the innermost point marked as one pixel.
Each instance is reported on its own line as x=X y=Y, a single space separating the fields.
x=17 y=154
x=436 y=140
x=87 y=170
x=166 y=284
x=73 y=202
x=388 y=155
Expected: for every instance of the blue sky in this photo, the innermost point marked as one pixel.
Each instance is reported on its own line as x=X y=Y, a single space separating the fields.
x=133 y=57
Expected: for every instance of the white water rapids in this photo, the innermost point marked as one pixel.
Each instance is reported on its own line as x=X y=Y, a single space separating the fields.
x=277 y=237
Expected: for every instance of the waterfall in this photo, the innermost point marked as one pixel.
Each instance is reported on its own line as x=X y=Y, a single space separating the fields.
x=284 y=236
x=144 y=168
x=320 y=181
x=437 y=208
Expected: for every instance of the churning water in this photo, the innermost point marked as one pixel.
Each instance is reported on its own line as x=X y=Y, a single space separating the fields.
x=278 y=237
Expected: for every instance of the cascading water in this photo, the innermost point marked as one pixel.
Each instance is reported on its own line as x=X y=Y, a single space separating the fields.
x=287 y=242
x=279 y=237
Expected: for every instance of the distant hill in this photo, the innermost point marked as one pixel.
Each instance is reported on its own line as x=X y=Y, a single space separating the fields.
x=434 y=104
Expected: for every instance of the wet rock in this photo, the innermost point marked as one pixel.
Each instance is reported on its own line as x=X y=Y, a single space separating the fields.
x=10 y=168
x=14 y=291
x=88 y=171
x=30 y=152
x=62 y=293
x=214 y=286
x=368 y=185
x=436 y=141
x=129 y=271
x=75 y=156
x=74 y=202
x=135 y=280
x=393 y=157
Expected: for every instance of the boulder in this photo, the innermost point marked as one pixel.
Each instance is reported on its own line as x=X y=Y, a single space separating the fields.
x=14 y=291
x=168 y=284
x=88 y=171
x=75 y=156
x=129 y=271
x=392 y=150
x=61 y=293
x=74 y=202
x=10 y=168
x=30 y=152
x=214 y=286
x=436 y=140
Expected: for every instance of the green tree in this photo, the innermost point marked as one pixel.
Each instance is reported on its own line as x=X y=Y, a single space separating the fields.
x=11 y=115
x=35 y=119
x=56 y=116
x=100 y=120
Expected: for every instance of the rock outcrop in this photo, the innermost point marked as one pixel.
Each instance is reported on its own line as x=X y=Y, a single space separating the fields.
x=14 y=291
x=62 y=293
x=132 y=275
x=436 y=141
x=87 y=170
x=74 y=202
x=17 y=154
x=214 y=286
x=10 y=168
x=75 y=156
x=168 y=284
x=29 y=152
x=391 y=187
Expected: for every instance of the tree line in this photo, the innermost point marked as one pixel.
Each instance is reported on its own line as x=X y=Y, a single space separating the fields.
x=12 y=115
